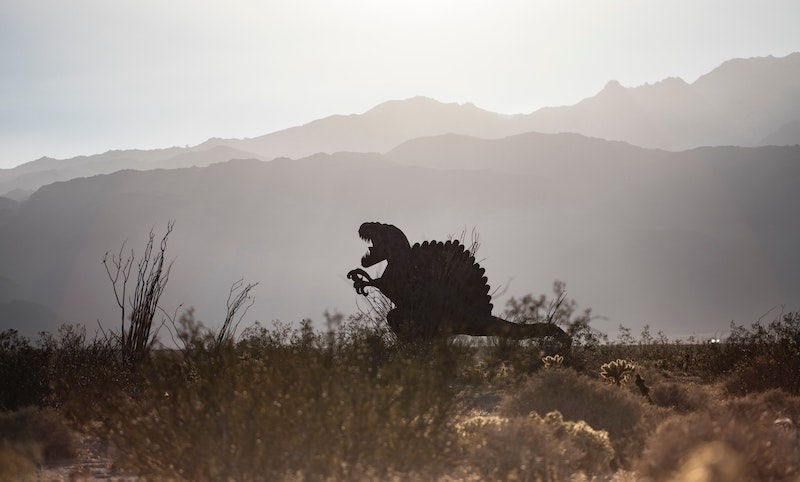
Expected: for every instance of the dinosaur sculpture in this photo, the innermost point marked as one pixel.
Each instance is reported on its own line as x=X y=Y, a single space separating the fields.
x=437 y=288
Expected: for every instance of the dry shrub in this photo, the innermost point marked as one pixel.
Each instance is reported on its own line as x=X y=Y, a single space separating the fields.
x=619 y=412
x=18 y=461
x=42 y=427
x=681 y=397
x=534 y=448
x=296 y=404
x=23 y=372
x=741 y=433
x=30 y=437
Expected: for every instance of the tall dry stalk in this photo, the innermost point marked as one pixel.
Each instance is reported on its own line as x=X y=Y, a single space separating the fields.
x=137 y=336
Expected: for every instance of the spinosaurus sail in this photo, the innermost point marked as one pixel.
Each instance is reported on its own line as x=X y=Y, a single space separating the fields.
x=437 y=288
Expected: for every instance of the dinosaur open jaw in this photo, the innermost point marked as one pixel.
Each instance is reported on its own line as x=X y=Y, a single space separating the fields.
x=372 y=233
x=369 y=258
x=373 y=255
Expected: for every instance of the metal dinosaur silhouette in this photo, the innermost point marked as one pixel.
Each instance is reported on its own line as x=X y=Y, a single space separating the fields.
x=437 y=288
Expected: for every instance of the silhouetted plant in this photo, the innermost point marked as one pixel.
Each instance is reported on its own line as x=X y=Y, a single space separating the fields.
x=83 y=374
x=522 y=355
x=137 y=338
x=239 y=301
x=766 y=356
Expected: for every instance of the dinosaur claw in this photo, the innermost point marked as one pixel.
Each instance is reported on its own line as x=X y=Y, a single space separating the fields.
x=360 y=280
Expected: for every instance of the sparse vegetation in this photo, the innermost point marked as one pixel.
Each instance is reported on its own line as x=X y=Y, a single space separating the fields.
x=348 y=402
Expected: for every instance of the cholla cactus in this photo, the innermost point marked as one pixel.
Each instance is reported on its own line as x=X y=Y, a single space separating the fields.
x=617 y=371
x=553 y=361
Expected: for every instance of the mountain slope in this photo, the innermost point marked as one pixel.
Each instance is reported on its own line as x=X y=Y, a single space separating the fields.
x=739 y=103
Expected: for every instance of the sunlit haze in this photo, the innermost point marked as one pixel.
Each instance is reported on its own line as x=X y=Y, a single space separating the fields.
x=88 y=76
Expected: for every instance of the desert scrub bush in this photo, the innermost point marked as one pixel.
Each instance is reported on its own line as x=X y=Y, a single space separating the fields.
x=522 y=356
x=29 y=438
x=626 y=417
x=766 y=356
x=681 y=397
x=279 y=404
x=740 y=433
x=533 y=448
x=85 y=376
x=23 y=372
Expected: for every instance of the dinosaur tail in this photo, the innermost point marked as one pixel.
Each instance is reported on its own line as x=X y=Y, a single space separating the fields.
x=517 y=331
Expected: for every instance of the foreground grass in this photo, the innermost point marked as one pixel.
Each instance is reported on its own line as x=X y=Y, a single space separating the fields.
x=348 y=404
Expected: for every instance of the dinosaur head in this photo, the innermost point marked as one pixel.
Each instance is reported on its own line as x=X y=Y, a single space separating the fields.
x=387 y=242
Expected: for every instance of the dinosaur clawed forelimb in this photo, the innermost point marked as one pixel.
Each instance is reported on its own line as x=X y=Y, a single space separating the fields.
x=361 y=280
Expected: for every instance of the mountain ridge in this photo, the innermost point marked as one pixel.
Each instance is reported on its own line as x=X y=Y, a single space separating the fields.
x=688 y=239
x=742 y=102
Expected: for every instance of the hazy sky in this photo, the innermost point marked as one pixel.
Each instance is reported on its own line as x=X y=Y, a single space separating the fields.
x=86 y=76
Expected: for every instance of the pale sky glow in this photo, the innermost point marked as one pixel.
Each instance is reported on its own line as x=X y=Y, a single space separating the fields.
x=86 y=76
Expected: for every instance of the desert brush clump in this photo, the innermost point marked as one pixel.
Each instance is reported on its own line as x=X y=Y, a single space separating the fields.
x=681 y=397
x=286 y=402
x=750 y=434
x=626 y=417
x=23 y=372
x=765 y=356
x=30 y=437
x=533 y=447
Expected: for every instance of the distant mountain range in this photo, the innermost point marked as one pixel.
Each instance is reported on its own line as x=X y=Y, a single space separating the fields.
x=744 y=102
x=685 y=242
x=622 y=195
